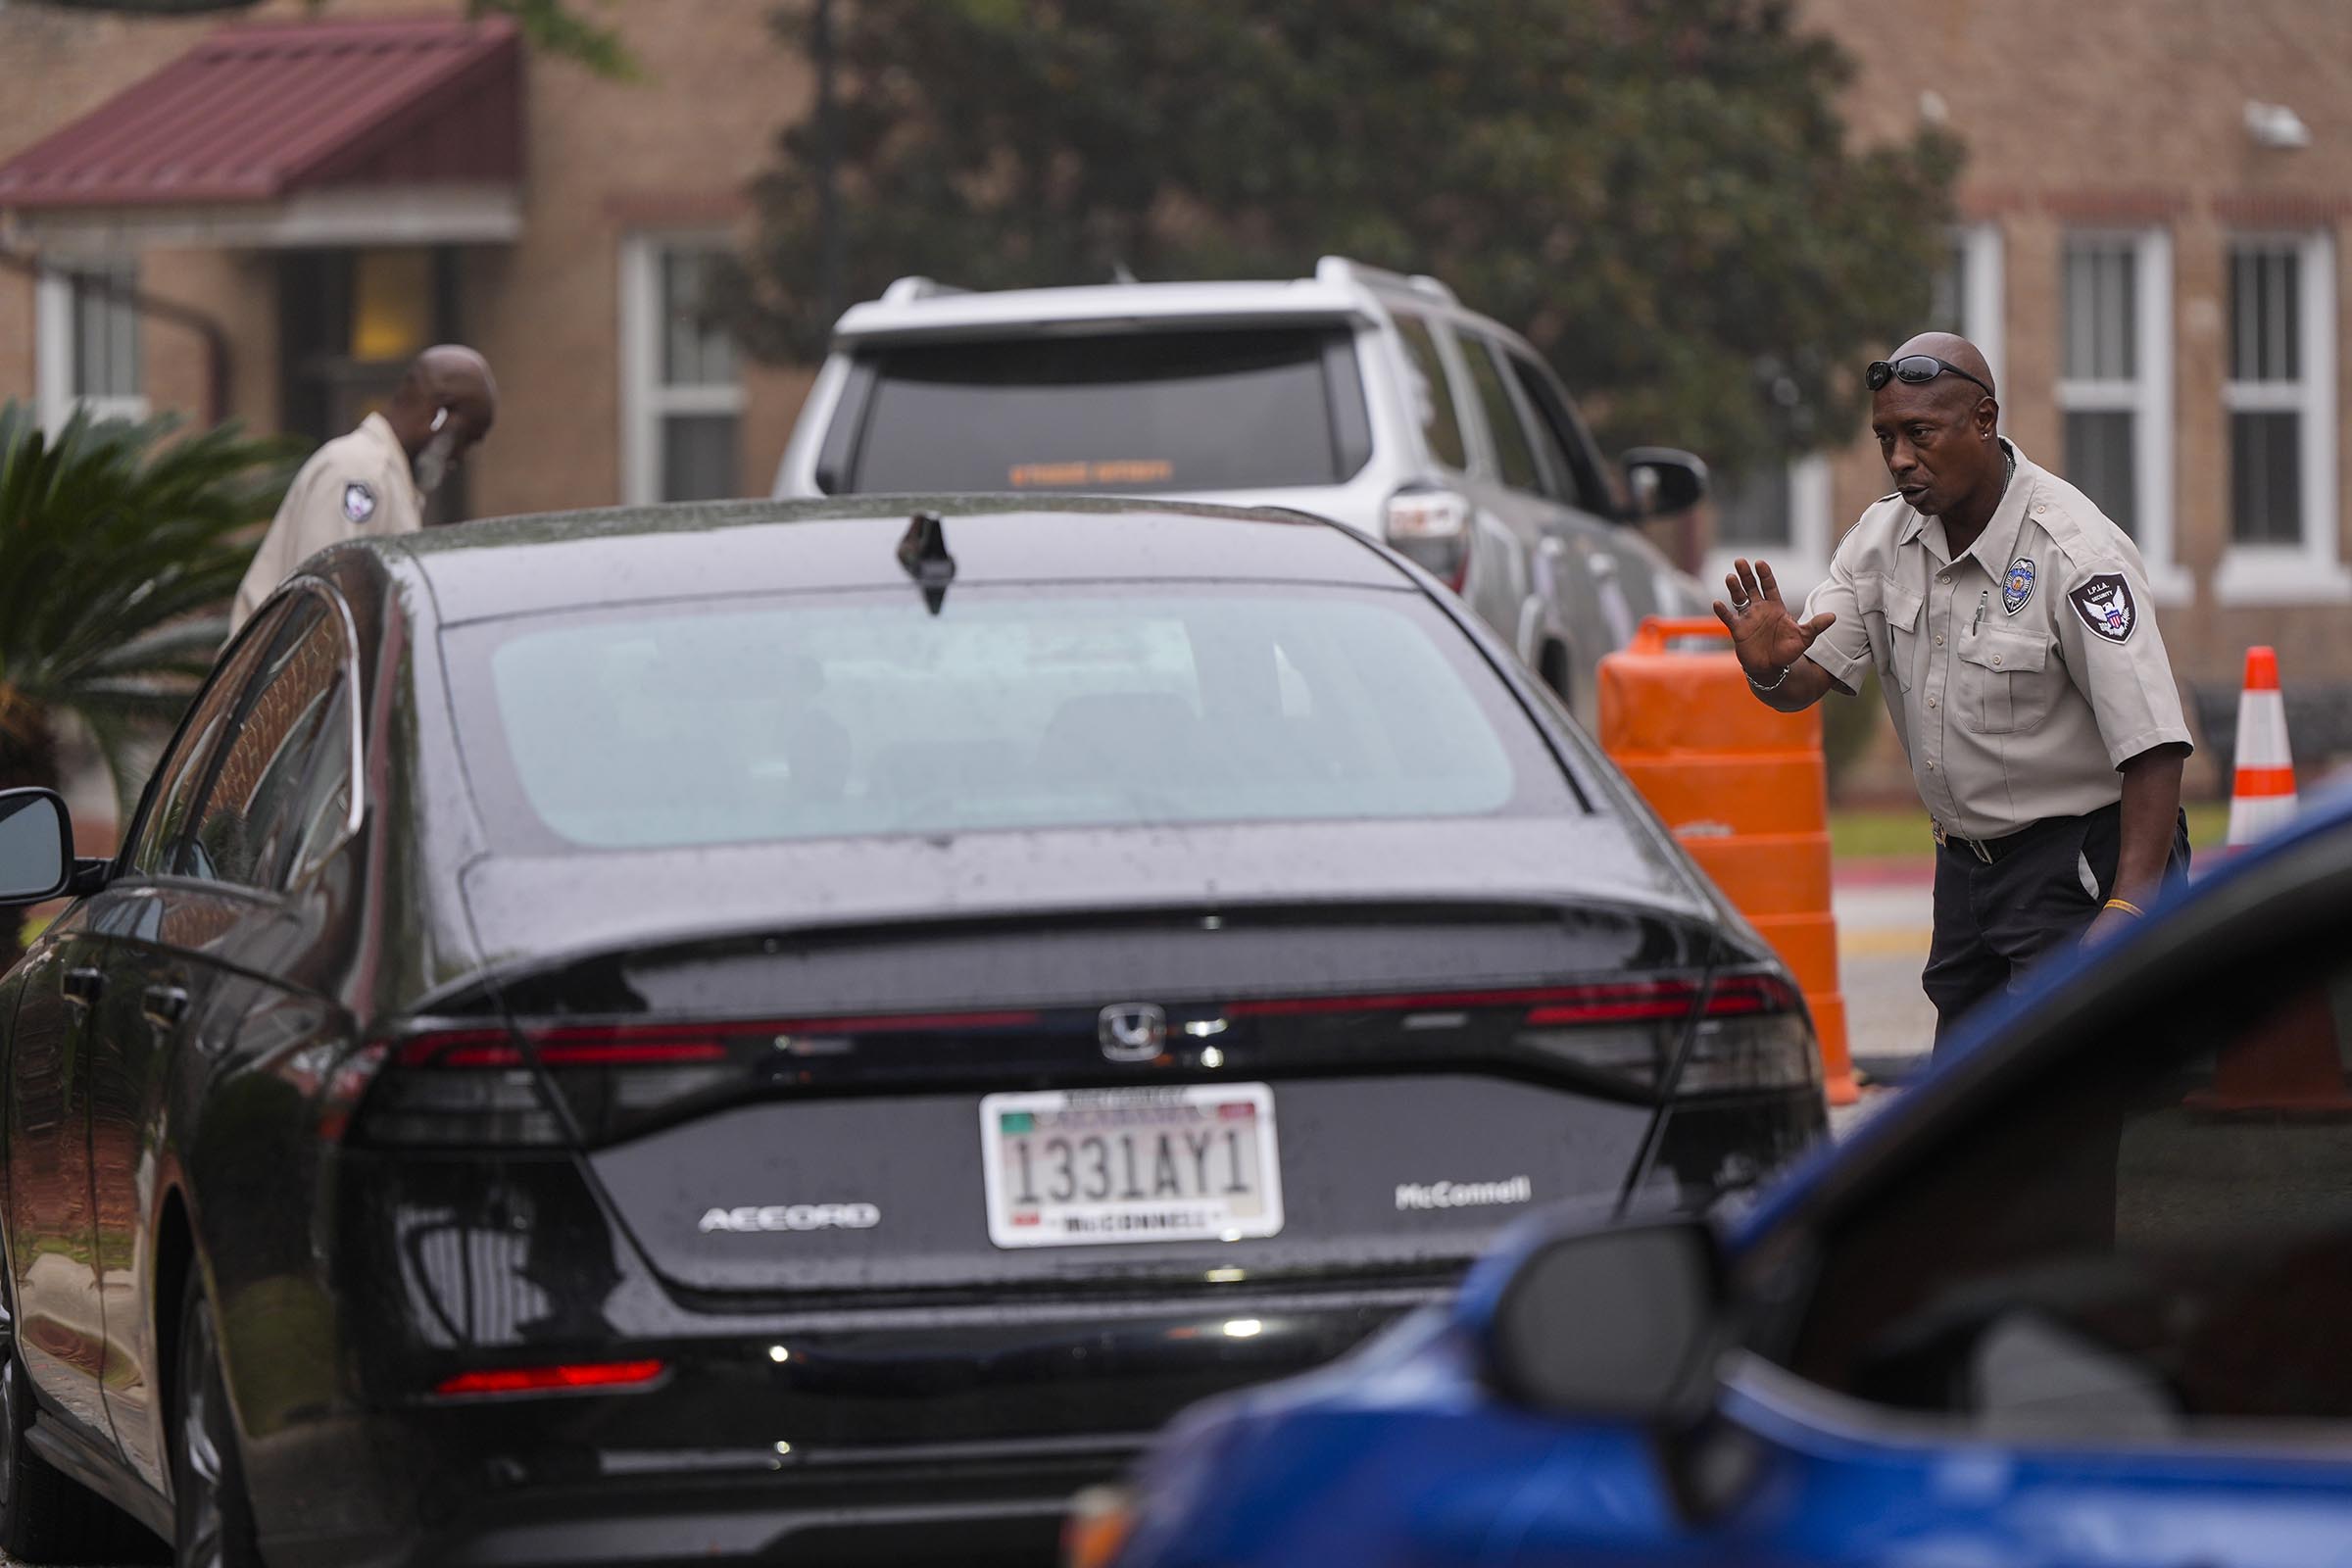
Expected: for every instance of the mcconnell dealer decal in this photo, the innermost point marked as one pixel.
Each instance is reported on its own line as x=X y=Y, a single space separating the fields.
x=1464 y=1194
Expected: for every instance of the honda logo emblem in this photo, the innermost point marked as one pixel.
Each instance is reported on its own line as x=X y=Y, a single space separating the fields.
x=1132 y=1031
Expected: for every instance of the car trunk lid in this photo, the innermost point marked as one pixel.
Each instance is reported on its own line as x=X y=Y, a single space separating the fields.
x=1308 y=1089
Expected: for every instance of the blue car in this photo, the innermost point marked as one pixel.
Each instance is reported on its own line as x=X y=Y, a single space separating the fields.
x=2082 y=1296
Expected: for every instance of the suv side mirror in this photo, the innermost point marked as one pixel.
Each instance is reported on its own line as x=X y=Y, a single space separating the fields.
x=1663 y=480
x=1624 y=1323
x=36 y=846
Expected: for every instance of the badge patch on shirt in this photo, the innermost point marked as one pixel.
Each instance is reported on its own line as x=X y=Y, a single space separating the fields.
x=2018 y=586
x=359 y=502
x=2105 y=605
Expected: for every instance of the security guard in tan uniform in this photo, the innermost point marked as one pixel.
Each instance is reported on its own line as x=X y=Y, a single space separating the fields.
x=2013 y=632
x=377 y=479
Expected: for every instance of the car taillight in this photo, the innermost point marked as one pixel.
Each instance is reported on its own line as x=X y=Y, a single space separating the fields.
x=1752 y=1033
x=1433 y=528
x=476 y=1087
x=487 y=1086
x=453 y=1088
x=567 y=1378
x=1756 y=1034
x=542 y=1082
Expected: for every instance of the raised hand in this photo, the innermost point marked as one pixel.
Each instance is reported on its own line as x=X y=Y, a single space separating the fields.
x=1766 y=637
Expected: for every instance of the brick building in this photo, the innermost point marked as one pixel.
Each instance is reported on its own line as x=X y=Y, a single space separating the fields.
x=320 y=192
x=2150 y=249
x=2151 y=252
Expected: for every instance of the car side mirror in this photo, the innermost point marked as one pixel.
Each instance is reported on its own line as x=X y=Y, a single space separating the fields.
x=36 y=846
x=1626 y=1323
x=1663 y=480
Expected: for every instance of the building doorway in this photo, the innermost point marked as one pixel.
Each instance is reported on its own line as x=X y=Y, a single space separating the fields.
x=349 y=322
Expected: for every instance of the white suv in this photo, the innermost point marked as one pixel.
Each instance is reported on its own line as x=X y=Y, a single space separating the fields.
x=1364 y=396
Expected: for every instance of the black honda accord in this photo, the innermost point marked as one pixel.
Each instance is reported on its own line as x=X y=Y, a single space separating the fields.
x=806 y=1030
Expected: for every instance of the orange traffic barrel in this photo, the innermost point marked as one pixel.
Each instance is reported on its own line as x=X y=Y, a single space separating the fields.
x=1746 y=791
x=2289 y=1064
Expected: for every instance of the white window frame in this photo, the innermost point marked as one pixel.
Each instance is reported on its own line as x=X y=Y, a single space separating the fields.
x=2148 y=397
x=645 y=401
x=2312 y=570
x=1804 y=559
x=1984 y=294
x=53 y=348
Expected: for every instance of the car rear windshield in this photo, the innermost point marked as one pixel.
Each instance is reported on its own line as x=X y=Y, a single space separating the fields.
x=1194 y=410
x=828 y=714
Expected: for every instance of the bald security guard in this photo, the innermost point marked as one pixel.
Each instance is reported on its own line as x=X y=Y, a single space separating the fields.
x=377 y=479
x=2015 y=639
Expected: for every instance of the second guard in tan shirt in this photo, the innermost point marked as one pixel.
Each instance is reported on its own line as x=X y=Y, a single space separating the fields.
x=2012 y=627
x=378 y=478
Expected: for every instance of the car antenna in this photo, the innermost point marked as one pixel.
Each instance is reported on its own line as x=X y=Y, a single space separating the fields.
x=923 y=552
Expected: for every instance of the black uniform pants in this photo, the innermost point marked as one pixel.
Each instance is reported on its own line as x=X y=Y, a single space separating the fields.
x=2033 y=900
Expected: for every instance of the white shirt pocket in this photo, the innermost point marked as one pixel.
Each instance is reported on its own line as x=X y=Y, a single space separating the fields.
x=2004 y=681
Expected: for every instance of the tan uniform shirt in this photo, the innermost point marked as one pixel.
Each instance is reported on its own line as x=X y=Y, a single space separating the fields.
x=356 y=486
x=2020 y=677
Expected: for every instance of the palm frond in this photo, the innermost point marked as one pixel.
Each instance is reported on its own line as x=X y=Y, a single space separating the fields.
x=199 y=637
x=120 y=544
x=129 y=750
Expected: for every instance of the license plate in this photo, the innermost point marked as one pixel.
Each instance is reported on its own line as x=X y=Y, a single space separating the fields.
x=1086 y=1168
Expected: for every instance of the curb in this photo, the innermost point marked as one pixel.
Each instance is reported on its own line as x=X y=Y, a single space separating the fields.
x=1892 y=1069
x=1900 y=942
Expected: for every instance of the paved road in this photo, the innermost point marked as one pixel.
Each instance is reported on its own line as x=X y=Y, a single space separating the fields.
x=1882 y=929
x=1883 y=919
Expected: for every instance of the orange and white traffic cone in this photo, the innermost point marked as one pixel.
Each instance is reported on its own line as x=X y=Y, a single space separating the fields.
x=2287 y=1062
x=2263 y=797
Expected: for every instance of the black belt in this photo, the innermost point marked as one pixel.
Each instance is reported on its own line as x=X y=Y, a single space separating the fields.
x=1992 y=849
x=1985 y=850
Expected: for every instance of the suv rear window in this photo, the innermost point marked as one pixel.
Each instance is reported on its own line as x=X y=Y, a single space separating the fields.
x=1193 y=409
x=847 y=715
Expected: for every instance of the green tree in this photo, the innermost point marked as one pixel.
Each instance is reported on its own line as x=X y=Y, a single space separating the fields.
x=1659 y=193
x=119 y=553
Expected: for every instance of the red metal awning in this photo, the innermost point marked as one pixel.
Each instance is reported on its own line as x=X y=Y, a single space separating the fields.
x=259 y=114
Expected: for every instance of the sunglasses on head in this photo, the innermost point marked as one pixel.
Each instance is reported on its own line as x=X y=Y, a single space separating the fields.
x=1914 y=369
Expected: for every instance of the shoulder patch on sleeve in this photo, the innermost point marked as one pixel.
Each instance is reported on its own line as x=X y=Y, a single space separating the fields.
x=359 y=502
x=2104 y=602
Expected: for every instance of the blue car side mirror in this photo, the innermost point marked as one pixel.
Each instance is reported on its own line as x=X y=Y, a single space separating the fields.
x=1626 y=1323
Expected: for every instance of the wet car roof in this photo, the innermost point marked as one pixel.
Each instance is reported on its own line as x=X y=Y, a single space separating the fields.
x=562 y=561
